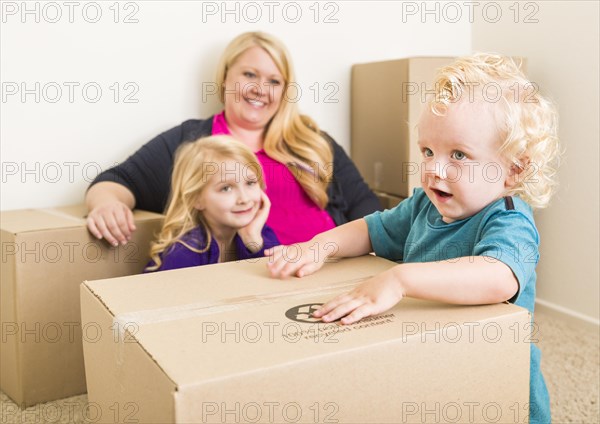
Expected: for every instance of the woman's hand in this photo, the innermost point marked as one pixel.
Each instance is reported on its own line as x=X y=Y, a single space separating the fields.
x=374 y=296
x=113 y=221
x=251 y=234
x=110 y=215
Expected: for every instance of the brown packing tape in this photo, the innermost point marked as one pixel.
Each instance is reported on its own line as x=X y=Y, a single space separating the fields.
x=207 y=308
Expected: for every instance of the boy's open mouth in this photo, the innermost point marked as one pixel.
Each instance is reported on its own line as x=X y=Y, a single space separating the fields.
x=441 y=193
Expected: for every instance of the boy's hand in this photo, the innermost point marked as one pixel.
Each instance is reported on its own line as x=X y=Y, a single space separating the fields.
x=251 y=234
x=298 y=259
x=374 y=296
x=348 y=240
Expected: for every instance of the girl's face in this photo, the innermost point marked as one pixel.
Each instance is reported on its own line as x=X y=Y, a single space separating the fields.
x=253 y=89
x=462 y=171
x=231 y=197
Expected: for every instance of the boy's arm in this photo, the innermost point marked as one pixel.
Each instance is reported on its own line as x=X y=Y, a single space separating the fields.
x=348 y=240
x=471 y=280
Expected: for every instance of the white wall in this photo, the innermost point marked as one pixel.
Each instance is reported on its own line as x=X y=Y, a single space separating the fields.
x=51 y=150
x=562 y=49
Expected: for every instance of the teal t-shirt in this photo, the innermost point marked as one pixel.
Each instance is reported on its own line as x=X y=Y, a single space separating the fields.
x=505 y=230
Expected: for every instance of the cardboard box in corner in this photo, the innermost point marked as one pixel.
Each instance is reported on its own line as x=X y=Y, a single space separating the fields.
x=46 y=255
x=227 y=344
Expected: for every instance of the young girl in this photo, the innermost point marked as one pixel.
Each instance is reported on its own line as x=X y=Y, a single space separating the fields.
x=217 y=210
x=468 y=236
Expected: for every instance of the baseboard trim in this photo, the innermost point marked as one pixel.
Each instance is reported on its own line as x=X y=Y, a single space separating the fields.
x=554 y=309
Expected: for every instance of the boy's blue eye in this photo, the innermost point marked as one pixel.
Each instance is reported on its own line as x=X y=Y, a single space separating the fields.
x=427 y=152
x=274 y=82
x=252 y=182
x=458 y=155
x=226 y=188
x=249 y=74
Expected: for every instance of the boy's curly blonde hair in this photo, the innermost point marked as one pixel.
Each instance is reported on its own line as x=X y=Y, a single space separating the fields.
x=527 y=121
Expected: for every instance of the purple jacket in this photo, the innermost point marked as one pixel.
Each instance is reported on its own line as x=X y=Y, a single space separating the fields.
x=179 y=256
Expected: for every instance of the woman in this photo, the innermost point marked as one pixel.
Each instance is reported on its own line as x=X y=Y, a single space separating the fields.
x=308 y=194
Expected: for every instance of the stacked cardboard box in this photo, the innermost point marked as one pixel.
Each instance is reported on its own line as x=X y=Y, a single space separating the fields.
x=46 y=255
x=387 y=100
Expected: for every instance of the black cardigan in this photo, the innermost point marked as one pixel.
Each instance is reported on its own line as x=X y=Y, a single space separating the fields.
x=147 y=174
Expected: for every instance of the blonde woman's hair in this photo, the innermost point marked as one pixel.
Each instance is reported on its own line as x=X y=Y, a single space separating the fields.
x=528 y=122
x=290 y=138
x=195 y=163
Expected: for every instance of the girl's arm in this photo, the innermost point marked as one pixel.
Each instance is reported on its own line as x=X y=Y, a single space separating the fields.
x=471 y=280
x=251 y=234
x=179 y=256
x=348 y=240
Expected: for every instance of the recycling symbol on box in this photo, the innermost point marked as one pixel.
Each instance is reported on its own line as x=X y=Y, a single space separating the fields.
x=303 y=313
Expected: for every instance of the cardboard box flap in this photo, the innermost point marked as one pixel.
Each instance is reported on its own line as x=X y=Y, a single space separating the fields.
x=214 y=285
x=20 y=221
x=186 y=318
x=39 y=219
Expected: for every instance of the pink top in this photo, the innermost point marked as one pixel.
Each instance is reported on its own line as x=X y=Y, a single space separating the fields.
x=294 y=216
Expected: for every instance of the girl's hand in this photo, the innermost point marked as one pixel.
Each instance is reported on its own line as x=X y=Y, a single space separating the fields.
x=251 y=234
x=374 y=296
x=298 y=259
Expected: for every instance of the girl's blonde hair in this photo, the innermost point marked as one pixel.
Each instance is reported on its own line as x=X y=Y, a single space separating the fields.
x=195 y=164
x=527 y=121
x=290 y=138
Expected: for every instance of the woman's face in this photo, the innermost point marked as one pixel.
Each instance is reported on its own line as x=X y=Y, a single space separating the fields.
x=253 y=90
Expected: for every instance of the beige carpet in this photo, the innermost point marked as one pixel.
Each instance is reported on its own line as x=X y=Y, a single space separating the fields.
x=571 y=366
x=570 y=363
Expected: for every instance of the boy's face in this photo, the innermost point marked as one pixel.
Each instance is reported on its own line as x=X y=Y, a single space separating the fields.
x=462 y=171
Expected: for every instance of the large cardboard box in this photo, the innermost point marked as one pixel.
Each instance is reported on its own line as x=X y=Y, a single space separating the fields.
x=46 y=255
x=387 y=99
x=227 y=344
x=388 y=201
